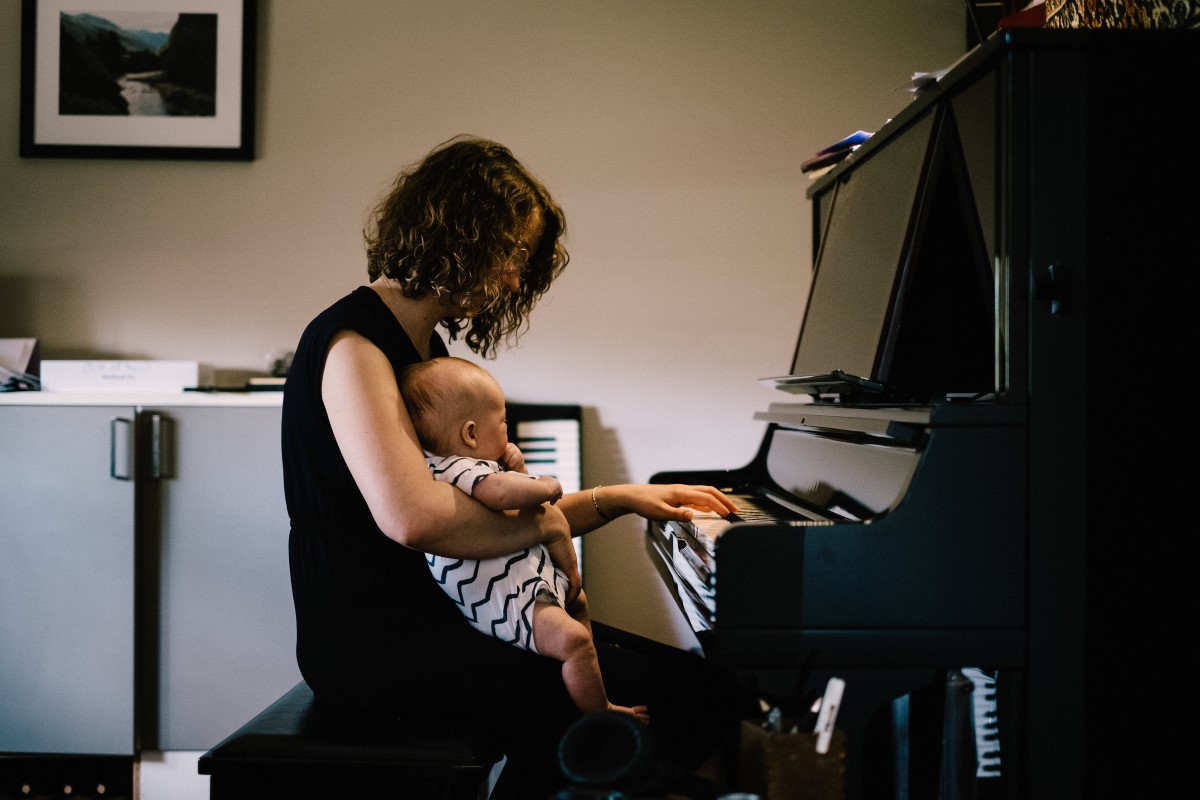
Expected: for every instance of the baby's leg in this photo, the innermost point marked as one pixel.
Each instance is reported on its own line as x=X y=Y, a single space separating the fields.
x=559 y=636
x=581 y=614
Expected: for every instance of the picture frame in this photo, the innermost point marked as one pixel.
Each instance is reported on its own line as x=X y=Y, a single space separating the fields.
x=138 y=79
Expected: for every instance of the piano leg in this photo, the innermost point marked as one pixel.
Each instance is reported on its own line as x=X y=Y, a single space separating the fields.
x=900 y=733
x=933 y=757
x=938 y=734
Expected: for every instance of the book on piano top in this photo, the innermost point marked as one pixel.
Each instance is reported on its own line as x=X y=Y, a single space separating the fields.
x=826 y=160
x=1032 y=15
x=828 y=156
x=847 y=143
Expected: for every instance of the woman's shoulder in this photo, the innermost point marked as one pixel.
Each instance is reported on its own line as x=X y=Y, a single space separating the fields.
x=353 y=305
x=364 y=312
x=359 y=311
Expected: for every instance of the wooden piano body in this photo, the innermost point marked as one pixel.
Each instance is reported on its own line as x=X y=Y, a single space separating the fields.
x=998 y=292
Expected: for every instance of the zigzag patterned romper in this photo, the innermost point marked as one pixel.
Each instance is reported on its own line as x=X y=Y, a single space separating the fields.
x=496 y=595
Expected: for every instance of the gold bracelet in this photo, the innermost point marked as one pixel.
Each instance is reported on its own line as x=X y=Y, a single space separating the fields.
x=596 y=505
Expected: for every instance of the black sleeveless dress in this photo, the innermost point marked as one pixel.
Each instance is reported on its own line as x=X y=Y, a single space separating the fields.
x=377 y=638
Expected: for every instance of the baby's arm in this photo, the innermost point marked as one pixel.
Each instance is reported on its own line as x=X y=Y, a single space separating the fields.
x=505 y=490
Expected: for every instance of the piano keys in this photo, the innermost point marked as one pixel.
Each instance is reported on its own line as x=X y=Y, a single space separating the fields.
x=987 y=734
x=691 y=548
x=551 y=448
x=551 y=437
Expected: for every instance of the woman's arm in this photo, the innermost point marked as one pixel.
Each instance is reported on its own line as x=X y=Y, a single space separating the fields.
x=591 y=508
x=378 y=441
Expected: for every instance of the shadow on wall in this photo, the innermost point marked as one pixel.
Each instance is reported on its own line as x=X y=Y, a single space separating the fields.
x=51 y=310
x=603 y=460
x=45 y=309
x=16 y=317
x=626 y=586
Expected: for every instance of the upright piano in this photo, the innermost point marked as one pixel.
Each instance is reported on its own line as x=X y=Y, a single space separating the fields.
x=959 y=477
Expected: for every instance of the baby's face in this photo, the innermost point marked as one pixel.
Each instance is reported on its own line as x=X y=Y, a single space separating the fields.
x=492 y=429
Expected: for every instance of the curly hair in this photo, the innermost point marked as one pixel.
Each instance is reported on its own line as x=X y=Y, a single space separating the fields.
x=450 y=224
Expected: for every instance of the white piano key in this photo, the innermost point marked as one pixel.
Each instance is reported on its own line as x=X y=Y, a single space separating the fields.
x=552 y=448
x=984 y=708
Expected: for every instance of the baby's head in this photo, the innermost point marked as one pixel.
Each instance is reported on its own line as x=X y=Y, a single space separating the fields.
x=457 y=408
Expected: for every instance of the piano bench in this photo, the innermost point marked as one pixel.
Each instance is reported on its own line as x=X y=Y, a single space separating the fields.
x=289 y=751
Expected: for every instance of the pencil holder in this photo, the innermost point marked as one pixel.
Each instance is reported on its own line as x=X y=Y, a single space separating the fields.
x=787 y=766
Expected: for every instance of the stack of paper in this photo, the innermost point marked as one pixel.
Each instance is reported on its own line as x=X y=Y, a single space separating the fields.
x=120 y=376
x=18 y=365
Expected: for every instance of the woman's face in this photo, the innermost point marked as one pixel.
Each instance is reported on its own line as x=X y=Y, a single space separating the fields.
x=515 y=267
x=512 y=270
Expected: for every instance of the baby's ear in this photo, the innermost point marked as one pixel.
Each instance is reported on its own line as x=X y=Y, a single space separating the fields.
x=467 y=434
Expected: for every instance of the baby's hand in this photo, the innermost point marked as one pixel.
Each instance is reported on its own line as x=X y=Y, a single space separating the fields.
x=513 y=459
x=553 y=487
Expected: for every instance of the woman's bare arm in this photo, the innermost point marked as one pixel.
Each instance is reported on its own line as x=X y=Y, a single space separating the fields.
x=589 y=509
x=378 y=441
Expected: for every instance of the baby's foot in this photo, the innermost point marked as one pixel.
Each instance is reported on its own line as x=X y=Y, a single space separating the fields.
x=641 y=713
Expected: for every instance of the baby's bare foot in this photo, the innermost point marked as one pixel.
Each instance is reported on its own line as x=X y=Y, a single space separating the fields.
x=641 y=713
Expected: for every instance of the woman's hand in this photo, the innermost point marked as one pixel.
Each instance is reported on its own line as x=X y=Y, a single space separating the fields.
x=668 y=501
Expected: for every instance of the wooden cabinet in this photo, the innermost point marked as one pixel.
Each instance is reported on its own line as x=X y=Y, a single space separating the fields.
x=147 y=603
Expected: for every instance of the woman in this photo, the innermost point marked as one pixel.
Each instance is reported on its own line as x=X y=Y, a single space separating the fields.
x=466 y=239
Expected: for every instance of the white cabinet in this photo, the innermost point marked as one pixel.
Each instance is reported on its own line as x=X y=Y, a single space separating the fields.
x=145 y=602
x=226 y=624
x=66 y=580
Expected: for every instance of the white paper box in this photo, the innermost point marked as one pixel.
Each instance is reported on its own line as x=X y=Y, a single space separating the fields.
x=120 y=376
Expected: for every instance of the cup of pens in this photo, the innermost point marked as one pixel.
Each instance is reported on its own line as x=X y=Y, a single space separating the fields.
x=790 y=759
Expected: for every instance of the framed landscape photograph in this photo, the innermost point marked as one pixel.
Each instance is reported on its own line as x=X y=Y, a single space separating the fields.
x=164 y=79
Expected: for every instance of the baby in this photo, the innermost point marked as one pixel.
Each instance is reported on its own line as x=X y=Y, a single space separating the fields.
x=458 y=410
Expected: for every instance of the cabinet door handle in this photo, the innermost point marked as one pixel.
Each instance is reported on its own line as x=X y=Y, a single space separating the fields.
x=120 y=448
x=156 y=446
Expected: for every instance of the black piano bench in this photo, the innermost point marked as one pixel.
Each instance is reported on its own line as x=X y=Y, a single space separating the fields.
x=291 y=751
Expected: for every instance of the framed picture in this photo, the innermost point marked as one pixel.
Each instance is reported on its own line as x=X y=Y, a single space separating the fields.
x=169 y=79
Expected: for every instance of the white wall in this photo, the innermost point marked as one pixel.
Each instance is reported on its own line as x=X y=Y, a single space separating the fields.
x=671 y=131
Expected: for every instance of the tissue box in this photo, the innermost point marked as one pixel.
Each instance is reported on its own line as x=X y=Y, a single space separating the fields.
x=120 y=376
